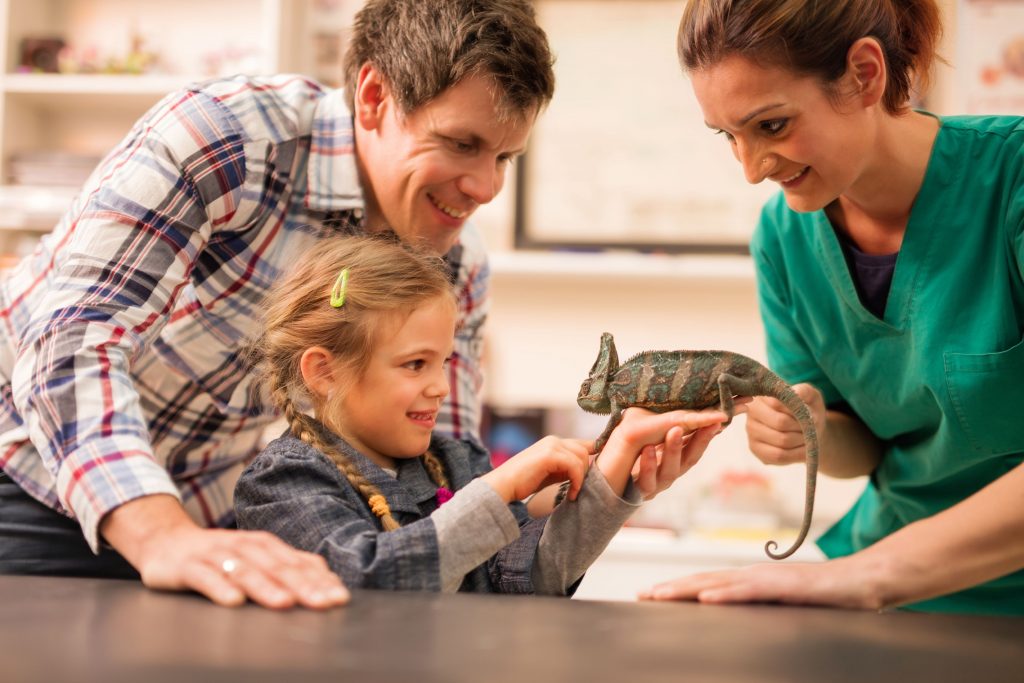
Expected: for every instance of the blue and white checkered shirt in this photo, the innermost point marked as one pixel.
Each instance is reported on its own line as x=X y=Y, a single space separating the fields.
x=120 y=367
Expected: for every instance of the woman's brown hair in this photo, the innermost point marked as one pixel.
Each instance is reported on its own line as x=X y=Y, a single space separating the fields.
x=812 y=37
x=386 y=281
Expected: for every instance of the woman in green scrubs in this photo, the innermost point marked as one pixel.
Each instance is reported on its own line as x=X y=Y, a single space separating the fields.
x=891 y=283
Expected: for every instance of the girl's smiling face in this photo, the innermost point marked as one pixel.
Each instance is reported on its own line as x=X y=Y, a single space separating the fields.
x=390 y=411
x=784 y=127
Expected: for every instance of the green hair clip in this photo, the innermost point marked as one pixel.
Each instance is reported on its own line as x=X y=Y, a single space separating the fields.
x=340 y=285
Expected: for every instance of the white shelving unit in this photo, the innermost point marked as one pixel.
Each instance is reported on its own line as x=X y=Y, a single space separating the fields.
x=620 y=266
x=83 y=115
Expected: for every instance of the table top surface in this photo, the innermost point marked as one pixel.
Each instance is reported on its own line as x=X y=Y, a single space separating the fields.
x=91 y=629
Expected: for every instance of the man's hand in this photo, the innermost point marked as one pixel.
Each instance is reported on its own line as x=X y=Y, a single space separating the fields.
x=171 y=552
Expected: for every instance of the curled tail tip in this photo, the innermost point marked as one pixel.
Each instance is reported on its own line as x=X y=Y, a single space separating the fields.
x=770 y=546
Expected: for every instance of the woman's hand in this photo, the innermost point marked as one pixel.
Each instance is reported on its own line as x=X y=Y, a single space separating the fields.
x=171 y=553
x=549 y=461
x=835 y=583
x=774 y=434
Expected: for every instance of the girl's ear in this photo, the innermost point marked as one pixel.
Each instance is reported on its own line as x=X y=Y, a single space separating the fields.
x=318 y=370
x=865 y=69
x=371 y=98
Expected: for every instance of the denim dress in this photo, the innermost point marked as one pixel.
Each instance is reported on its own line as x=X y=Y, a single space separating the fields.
x=297 y=493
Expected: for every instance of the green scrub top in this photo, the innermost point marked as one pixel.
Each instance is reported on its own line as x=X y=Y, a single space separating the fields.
x=940 y=379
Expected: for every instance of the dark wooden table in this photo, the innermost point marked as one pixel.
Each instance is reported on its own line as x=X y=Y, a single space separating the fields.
x=54 y=629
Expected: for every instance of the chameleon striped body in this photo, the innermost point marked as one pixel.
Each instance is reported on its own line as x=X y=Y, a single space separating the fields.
x=661 y=381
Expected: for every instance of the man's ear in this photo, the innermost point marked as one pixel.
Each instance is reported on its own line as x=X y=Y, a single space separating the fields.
x=372 y=97
x=865 y=71
x=318 y=370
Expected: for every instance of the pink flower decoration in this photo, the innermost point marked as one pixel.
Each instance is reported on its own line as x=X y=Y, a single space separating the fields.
x=444 y=494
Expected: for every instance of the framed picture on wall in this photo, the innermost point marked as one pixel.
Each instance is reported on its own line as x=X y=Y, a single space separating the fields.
x=622 y=158
x=990 y=56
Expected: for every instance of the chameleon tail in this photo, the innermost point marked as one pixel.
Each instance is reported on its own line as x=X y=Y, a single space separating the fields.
x=799 y=409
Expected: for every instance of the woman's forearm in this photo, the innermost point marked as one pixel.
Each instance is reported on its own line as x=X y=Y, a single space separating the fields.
x=848 y=448
x=976 y=540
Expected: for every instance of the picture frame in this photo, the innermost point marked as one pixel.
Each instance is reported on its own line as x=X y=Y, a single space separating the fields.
x=622 y=158
x=990 y=56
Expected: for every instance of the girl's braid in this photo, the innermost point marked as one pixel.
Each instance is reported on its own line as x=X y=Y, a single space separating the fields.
x=309 y=431
x=435 y=469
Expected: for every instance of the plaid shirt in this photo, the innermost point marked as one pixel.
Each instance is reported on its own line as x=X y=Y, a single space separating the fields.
x=120 y=344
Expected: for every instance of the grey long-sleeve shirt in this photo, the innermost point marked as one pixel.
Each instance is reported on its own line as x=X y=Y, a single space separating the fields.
x=474 y=542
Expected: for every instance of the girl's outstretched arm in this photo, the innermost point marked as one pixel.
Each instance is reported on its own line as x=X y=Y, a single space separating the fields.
x=658 y=465
x=642 y=430
x=578 y=531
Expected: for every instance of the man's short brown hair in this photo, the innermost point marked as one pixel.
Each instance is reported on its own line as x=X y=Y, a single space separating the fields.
x=423 y=47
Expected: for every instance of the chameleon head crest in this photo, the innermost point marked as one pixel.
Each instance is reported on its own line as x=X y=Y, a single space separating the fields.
x=593 y=396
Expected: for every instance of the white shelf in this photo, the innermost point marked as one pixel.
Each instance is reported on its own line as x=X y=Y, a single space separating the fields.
x=87 y=114
x=621 y=265
x=94 y=84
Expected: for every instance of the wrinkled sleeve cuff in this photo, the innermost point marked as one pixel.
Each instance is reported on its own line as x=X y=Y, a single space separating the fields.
x=579 y=530
x=471 y=527
x=92 y=488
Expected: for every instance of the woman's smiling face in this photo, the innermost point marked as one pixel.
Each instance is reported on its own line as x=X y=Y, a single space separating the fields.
x=784 y=127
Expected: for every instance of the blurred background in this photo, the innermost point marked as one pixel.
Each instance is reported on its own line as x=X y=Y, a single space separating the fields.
x=627 y=215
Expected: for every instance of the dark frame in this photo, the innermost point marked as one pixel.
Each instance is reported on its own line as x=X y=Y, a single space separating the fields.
x=523 y=239
x=713 y=206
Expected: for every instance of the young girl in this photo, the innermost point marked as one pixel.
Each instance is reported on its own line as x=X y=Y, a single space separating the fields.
x=890 y=281
x=360 y=334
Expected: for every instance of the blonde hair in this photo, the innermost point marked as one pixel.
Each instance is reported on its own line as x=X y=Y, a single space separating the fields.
x=387 y=280
x=812 y=37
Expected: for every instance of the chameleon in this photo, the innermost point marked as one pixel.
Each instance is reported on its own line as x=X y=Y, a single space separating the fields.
x=661 y=381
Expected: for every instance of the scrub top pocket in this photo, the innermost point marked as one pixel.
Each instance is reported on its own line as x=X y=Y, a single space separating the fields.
x=987 y=393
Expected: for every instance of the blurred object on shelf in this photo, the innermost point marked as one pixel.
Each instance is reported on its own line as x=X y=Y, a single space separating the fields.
x=51 y=168
x=32 y=208
x=506 y=431
x=327 y=58
x=139 y=60
x=328 y=23
x=1013 y=56
x=990 y=56
x=737 y=504
x=231 y=59
x=86 y=59
x=75 y=59
x=40 y=54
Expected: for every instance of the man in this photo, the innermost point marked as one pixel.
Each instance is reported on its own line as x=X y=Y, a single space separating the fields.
x=129 y=406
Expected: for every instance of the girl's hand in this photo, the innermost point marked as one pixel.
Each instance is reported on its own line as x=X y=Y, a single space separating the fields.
x=549 y=461
x=659 y=466
x=670 y=440
x=774 y=434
